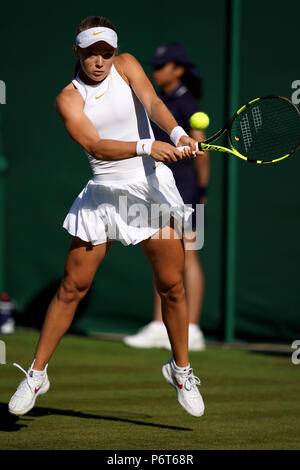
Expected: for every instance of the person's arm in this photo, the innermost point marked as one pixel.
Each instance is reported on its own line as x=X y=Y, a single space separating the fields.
x=70 y=107
x=202 y=164
x=142 y=87
x=155 y=108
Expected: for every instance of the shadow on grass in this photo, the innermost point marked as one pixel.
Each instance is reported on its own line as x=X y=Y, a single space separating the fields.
x=9 y=422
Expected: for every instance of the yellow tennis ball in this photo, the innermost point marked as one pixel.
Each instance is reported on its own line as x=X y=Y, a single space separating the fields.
x=199 y=121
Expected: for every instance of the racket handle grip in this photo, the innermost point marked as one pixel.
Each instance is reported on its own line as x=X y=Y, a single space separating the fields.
x=186 y=147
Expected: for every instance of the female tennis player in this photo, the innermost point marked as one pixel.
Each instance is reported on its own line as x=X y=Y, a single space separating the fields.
x=105 y=110
x=180 y=88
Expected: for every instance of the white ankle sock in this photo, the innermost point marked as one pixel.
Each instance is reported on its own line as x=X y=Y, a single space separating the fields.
x=37 y=373
x=180 y=369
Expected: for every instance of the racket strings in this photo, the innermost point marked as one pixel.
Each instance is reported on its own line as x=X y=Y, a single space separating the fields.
x=266 y=130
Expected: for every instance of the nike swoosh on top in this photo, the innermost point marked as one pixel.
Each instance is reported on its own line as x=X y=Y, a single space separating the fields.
x=97 y=97
x=95 y=34
x=36 y=390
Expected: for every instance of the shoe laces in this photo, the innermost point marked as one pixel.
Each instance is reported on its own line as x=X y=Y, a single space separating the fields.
x=25 y=384
x=191 y=381
x=21 y=368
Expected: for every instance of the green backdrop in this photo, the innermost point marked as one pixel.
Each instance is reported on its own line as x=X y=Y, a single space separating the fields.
x=268 y=298
x=47 y=170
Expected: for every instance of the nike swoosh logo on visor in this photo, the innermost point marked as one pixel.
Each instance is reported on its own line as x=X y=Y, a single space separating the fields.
x=95 y=34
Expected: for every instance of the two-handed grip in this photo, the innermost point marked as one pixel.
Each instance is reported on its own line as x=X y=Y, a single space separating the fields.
x=186 y=147
x=198 y=144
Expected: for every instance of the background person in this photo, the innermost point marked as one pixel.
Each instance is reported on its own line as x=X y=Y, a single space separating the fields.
x=180 y=87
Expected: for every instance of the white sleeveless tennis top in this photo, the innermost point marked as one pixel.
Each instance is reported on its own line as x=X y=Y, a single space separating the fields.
x=117 y=114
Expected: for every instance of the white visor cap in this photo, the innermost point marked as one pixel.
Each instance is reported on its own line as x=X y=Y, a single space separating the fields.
x=90 y=36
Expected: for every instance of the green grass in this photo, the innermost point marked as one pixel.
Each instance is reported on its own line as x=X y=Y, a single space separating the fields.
x=105 y=395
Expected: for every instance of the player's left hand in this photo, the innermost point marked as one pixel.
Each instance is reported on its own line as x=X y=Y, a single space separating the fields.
x=186 y=140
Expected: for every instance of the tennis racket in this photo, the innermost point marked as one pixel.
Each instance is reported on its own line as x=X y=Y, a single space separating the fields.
x=265 y=130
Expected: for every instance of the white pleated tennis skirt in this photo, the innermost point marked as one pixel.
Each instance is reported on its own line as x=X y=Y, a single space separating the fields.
x=129 y=207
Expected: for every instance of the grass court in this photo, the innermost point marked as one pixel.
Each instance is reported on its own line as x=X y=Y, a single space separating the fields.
x=104 y=395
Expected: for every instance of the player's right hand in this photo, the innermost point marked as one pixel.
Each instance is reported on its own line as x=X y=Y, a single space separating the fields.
x=164 y=152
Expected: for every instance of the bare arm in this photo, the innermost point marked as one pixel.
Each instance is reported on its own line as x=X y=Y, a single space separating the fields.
x=156 y=109
x=202 y=164
x=142 y=87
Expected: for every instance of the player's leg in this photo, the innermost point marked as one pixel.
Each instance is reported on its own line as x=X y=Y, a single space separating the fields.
x=157 y=313
x=194 y=283
x=166 y=256
x=154 y=334
x=81 y=264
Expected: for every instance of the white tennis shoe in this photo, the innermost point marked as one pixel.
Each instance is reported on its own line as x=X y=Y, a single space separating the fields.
x=185 y=383
x=196 y=339
x=152 y=335
x=27 y=392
